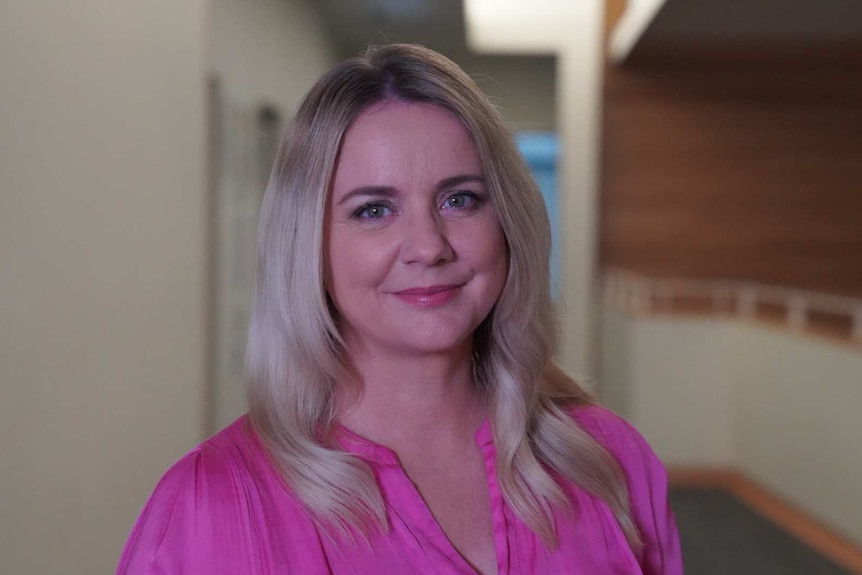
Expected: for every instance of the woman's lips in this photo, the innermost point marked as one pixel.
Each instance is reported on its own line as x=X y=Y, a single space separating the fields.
x=428 y=296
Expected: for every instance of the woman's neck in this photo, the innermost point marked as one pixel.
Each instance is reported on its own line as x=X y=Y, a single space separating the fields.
x=408 y=399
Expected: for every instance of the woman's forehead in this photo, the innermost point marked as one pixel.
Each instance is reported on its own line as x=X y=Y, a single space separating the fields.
x=394 y=143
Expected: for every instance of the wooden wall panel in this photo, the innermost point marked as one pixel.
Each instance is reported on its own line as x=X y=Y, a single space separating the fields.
x=738 y=165
x=613 y=12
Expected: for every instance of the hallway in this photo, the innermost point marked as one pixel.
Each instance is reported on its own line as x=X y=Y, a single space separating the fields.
x=709 y=154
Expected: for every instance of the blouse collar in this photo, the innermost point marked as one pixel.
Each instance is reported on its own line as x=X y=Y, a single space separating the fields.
x=371 y=451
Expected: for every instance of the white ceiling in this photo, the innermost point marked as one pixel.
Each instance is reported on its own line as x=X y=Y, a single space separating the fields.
x=439 y=24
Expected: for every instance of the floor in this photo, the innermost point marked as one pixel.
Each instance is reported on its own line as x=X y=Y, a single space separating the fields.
x=721 y=536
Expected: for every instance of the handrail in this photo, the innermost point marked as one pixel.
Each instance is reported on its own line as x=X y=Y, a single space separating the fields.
x=636 y=292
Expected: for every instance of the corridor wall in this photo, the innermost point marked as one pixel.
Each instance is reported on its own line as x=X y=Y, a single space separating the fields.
x=104 y=255
x=780 y=407
x=262 y=57
x=101 y=270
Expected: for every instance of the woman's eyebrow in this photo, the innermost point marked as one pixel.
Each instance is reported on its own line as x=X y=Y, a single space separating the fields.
x=391 y=192
x=461 y=179
x=369 y=191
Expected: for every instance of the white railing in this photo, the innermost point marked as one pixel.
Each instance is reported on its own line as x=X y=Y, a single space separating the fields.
x=641 y=294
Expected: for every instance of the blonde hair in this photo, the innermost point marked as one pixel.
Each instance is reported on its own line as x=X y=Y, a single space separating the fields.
x=295 y=357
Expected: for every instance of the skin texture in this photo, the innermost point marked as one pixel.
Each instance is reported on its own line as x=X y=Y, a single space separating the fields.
x=416 y=233
x=416 y=259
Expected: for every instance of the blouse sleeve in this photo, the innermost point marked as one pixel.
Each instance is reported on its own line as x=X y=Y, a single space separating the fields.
x=192 y=523
x=648 y=491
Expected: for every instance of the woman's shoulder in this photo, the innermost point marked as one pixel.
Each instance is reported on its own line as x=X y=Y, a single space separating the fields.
x=208 y=509
x=605 y=426
x=647 y=483
x=224 y=462
x=197 y=493
x=631 y=450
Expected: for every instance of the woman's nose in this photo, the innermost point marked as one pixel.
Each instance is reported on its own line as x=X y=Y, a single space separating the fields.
x=426 y=241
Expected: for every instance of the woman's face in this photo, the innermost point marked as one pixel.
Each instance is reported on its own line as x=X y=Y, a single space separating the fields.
x=415 y=254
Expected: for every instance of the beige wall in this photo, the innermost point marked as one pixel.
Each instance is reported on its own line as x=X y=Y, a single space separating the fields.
x=522 y=86
x=262 y=52
x=780 y=407
x=797 y=409
x=101 y=270
x=103 y=254
x=671 y=378
x=267 y=51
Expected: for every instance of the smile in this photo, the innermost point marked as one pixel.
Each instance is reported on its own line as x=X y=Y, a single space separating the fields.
x=431 y=296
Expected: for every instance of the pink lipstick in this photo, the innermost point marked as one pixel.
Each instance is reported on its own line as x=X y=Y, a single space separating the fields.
x=431 y=296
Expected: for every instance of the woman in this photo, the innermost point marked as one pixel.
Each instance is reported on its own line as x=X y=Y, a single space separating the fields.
x=404 y=412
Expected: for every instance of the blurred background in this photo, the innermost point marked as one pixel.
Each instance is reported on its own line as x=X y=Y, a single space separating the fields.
x=702 y=164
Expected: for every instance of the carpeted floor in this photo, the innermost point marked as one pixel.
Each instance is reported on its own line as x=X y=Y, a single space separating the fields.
x=721 y=536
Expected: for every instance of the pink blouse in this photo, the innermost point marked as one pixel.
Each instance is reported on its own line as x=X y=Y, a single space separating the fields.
x=223 y=509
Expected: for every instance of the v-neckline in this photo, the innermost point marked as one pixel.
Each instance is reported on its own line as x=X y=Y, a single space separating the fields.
x=420 y=514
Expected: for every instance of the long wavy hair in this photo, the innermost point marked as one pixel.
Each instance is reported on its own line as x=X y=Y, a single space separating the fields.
x=296 y=359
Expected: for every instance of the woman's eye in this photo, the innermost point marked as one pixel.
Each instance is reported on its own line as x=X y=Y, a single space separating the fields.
x=461 y=200
x=372 y=212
